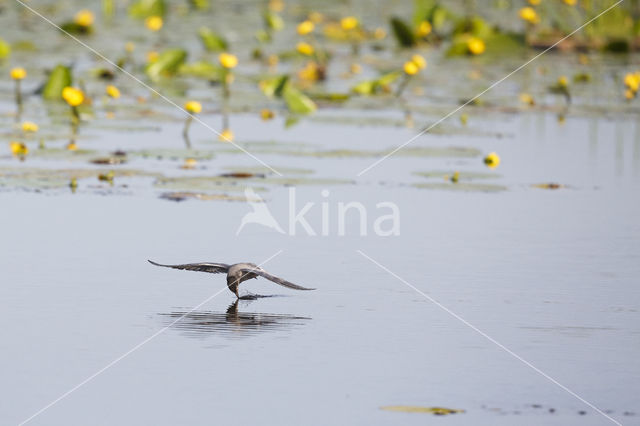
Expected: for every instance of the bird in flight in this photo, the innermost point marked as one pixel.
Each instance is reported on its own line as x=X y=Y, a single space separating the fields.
x=236 y=273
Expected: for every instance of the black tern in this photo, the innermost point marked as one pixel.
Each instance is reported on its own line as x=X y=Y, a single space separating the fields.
x=236 y=273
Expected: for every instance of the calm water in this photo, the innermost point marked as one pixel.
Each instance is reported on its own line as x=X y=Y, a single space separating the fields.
x=551 y=274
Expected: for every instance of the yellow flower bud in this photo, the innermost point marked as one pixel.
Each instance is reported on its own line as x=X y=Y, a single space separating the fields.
x=424 y=28
x=526 y=98
x=18 y=73
x=348 y=23
x=476 y=46
x=563 y=81
x=529 y=14
x=112 y=91
x=84 y=18
x=632 y=81
x=411 y=68
x=18 y=149
x=492 y=160
x=194 y=107
x=305 y=27
x=154 y=23
x=226 y=136
x=29 y=127
x=71 y=146
x=419 y=61
x=72 y=96
x=571 y=2
x=228 y=60
x=152 y=56
x=305 y=48
x=266 y=114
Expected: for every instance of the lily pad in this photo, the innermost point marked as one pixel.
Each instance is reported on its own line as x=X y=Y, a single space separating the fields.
x=461 y=186
x=5 y=49
x=212 y=41
x=59 y=78
x=144 y=8
x=463 y=175
x=167 y=63
x=437 y=411
x=182 y=196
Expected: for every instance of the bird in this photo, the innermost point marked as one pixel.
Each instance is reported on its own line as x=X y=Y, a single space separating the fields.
x=236 y=274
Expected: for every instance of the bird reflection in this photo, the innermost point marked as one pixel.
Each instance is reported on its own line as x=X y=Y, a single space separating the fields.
x=232 y=323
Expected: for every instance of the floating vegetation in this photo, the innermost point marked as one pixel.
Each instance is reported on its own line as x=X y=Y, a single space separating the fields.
x=436 y=411
x=548 y=186
x=32 y=178
x=467 y=175
x=183 y=196
x=461 y=186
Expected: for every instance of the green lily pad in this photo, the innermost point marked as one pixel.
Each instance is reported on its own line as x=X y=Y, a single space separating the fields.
x=438 y=411
x=463 y=175
x=167 y=63
x=173 y=154
x=297 y=102
x=202 y=196
x=461 y=186
x=403 y=33
x=144 y=8
x=212 y=41
x=202 y=69
x=5 y=49
x=59 y=78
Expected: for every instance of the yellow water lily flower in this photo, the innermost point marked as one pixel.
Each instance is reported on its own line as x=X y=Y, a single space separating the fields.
x=632 y=81
x=152 y=56
x=348 y=23
x=563 y=81
x=266 y=114
x=71 y=146
x=154 y=23
x=529 y=14
x=424 y=29
x=190 y=163
x=18 y=149
x=112 y=91
x=571 y=2
x=194 y=107
x=228 y=60
x=18 y=73
x=304 y=48
x=456 y=177
x=476 y=46
x=419 y=61
x=226 y=136
x=310 y=72
x=29 y=127
x=534 y=2
x=526 y=98
x=411 y=68
x=492 y=160
x=305 y=27
x=84 y=18
x=72 y=96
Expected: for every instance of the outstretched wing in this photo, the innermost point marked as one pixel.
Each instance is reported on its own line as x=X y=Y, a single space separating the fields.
x=214 y=268
x=273 y=278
